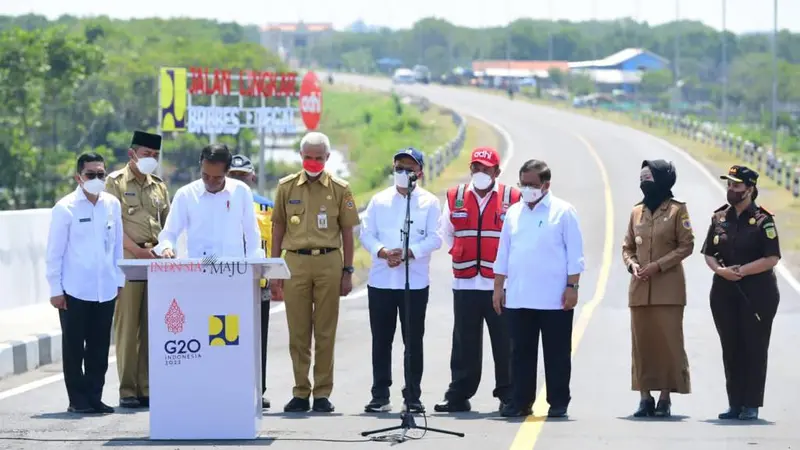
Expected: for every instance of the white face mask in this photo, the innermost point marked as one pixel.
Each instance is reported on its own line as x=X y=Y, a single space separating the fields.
x=401 y=179
x=530 y=195
x=481 y=180
x=147 y=165
x=94 y=186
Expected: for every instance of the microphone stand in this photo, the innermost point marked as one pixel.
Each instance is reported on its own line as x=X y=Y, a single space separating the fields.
x=406 y=417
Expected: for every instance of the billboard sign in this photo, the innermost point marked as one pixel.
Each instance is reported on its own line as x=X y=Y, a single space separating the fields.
x=179 y=86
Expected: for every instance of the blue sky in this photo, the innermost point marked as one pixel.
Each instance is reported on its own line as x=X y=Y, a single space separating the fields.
x=743 y=15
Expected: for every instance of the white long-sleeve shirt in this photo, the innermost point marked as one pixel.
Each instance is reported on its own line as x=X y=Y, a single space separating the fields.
x=83 y=247
x=447 y=231
x=381 y=227
x=214 y=223
x=538 y=249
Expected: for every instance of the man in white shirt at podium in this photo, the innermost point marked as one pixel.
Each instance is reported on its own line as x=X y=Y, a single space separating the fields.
x=215 y=212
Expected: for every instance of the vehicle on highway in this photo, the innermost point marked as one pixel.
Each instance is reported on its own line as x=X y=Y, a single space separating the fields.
x=403 y=76
x=422 y=74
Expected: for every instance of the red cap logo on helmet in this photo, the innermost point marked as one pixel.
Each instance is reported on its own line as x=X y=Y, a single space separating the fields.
x=310 y=101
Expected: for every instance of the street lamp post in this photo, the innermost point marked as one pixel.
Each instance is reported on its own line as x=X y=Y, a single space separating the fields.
x=724 y=67
x=775 y=76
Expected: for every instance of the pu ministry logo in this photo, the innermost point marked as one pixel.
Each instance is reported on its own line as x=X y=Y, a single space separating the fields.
x=223 y=330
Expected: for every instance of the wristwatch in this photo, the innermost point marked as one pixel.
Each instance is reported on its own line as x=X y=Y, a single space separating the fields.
x=573 y=286
x=348 y=269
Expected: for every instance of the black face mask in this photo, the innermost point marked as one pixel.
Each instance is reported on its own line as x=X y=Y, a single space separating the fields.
x=648 y=187
x=735 y=197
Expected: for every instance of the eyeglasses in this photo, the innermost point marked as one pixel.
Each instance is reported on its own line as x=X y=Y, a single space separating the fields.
x=93 y=175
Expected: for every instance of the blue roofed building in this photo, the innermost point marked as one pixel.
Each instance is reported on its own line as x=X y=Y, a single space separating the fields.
x=622 y=70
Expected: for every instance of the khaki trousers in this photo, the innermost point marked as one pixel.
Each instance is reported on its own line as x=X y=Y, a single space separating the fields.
x=130 y=339
x=312 y=308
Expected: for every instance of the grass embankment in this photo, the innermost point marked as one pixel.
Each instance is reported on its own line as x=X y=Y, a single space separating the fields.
x=478 y=134
x=776 y=199
x=368 y=127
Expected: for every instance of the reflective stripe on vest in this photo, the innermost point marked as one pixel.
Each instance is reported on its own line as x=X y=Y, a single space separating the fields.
x=476 y=234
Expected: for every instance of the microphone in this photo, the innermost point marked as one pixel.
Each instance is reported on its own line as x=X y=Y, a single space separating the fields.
x=412 y=177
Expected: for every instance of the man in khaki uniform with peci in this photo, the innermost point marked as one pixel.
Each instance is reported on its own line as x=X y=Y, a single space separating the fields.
x=145 y=204
x=313 y=218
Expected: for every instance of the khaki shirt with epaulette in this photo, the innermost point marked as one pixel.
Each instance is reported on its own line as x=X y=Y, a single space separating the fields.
x=145 y=204
x=304 y=207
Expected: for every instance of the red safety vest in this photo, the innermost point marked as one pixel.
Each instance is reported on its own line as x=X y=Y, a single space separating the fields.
x=476 y=234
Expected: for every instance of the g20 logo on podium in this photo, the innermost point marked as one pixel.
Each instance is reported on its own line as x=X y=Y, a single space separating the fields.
x=223 y=330
x=178 y=350
x=181 y=347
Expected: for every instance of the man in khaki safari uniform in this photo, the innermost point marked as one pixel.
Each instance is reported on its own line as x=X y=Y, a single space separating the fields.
x=313 y=222
x=145 y=204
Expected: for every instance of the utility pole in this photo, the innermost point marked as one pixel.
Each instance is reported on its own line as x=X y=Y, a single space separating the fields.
x=677 y=41
x=550 y=34
x=775 y=76
x=724 y=66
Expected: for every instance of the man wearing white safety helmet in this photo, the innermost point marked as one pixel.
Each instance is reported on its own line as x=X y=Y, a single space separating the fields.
x=471 y=221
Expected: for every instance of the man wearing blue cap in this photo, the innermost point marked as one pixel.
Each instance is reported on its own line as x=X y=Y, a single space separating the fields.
x=383 y=221
x=242 y=170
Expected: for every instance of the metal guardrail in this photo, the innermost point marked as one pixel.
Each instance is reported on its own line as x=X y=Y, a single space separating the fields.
x=763 y=159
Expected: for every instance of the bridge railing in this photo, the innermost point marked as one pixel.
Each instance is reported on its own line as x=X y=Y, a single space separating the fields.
x=765 y=160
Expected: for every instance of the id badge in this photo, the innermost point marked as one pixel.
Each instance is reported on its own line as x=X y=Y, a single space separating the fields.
x=322 y=221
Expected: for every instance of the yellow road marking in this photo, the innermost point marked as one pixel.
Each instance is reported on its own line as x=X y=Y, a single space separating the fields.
x=530 y=430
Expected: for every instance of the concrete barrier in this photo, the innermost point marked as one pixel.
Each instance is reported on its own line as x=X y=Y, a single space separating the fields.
x=23 y=241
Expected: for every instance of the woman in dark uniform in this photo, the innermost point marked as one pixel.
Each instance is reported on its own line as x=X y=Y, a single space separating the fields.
x=742 y=249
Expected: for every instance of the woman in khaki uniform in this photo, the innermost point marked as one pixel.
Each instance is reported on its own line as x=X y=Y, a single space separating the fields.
x=658 y=239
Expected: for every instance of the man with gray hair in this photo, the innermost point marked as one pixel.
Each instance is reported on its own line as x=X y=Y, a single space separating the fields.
x=313 y=221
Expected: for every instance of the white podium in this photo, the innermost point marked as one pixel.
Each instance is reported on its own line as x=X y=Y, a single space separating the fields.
x=204 y=322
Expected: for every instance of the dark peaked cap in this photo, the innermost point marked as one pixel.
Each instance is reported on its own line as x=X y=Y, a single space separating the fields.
x=143 y=139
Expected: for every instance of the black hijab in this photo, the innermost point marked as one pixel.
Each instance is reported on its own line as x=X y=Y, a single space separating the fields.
x=663 y=179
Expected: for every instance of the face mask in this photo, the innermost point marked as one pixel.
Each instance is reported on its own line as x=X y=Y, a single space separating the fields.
x=648 y=188
x=481 y=181
x=313 y=167
x=530 y=195
x=734 y=197
x=94 y=186
x=147 y=165
x=401 y=179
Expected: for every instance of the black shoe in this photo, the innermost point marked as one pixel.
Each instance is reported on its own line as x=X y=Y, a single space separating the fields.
x=511 y=410
x=80 y=409
x=731 y=413
x=503 y=404
x=265 y=404
x=297 y=405
x=647 y=408
x=453 y=406
x=557 y=412
x=323 y=405
x=378 y=405
x=663 y=409
x=144 y=401
x=102 y=408
x=414 y=407
x=129 y=402
x=748 y=414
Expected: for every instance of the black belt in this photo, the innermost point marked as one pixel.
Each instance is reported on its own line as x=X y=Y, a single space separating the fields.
x=314 y=251
x=146 y=244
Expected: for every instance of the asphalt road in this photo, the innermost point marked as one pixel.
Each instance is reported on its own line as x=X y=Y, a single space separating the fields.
x=595 y=166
